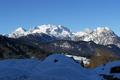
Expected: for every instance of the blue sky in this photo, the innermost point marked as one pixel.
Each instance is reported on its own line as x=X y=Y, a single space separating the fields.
x=74 y=14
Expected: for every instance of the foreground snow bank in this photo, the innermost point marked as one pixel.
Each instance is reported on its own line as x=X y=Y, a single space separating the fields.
x=109 y=69
x=55 y=67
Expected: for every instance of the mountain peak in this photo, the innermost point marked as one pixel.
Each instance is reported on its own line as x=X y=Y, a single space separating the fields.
x=54 y=30
x=18 y=33
x=58 y=31
x=20 y=29
x=101 y=35
x=103 y=29
x=52 y=26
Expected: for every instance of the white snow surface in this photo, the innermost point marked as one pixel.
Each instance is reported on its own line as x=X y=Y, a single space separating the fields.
x=55 y=67
x=106 y=68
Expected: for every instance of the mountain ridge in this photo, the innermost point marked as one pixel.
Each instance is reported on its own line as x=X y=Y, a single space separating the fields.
x=101 y=35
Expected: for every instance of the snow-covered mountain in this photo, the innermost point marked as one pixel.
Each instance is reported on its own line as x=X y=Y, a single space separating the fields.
x=58 y=31
x=54 y=30
x=18 y=33
x=101 y=35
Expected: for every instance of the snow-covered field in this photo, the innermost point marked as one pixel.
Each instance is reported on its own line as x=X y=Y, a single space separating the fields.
x=55 y=67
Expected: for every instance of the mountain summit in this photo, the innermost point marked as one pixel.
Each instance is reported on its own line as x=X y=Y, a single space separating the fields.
x=53 y=30
x=18 y=33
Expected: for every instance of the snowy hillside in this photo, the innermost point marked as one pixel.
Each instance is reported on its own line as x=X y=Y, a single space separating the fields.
x=55 y=67
x=51 y=30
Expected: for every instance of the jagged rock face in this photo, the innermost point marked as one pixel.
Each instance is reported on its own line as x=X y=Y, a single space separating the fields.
x=101 y=35
x=54 y=30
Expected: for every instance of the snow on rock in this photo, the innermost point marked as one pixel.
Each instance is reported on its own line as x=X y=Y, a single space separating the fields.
x=52 y=30
x=101 y=35
x=55 y=67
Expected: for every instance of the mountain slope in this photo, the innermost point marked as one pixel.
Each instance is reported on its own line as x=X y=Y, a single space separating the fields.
x=15 y=48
